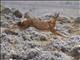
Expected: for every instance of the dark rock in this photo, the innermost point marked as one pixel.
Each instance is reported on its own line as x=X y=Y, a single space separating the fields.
x=63 y=49
x=15 y=56
x=58 y=55
x=43 y=38
x=32 y=45
x=3 y=56
x=35 y=36
x=26 y=15
x=4 y=24
x=6 y=11
x=0 y=23
x=48 y=16
x=77 y=20
x=11 y=32
x=75 y=52
x=17 y=13
x=32 y=54
x=24 y=37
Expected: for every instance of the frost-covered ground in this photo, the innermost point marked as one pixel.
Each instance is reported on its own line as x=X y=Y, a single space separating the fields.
x=33 y=44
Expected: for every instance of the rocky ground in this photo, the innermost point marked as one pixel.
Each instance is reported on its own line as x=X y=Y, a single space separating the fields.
x=32 y=44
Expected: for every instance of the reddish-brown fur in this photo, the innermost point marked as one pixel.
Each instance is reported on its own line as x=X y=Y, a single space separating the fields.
x=40 y=24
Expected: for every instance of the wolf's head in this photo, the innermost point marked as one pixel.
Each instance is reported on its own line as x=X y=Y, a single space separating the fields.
x=54 y=19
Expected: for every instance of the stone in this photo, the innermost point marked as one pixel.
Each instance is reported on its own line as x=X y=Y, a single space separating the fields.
x=75 y=52
x=5 y=11
x=17 y=13
x=77 y=20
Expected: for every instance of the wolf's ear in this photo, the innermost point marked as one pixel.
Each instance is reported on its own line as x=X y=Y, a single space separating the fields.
x=56 y=15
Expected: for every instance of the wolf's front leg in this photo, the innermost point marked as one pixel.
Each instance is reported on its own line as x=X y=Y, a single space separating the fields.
x=58 y=33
